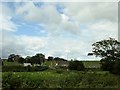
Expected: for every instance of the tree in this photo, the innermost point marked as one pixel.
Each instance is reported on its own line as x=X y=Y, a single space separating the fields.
x=40 y=57
x=15 y=58
x=21 y=60
x=28 y=59
x=59 y=59
x=109 y=51
x=76 y=65
x=50 y=58
x=11 y=58
x=37 y=59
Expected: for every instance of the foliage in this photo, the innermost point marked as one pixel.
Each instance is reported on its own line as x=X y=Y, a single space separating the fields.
x=59 y=59
x=21 y=60
x=23 y=69
x=106 y=48
x=11 y=57
x=91 y=64
x=37 y=59
x=50 y=58
x=116 y=67
x=76 y=65
x=109 y=51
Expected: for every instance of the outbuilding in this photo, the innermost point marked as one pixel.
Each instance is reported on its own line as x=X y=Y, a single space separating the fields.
x=27 y=64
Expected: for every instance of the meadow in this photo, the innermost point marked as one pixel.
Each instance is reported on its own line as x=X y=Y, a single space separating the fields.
x=60 y=78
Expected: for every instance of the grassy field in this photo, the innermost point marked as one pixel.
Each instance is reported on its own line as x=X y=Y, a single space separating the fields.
x=87 y=64
x=12 y=64
x=60 y=79
x=91 y=64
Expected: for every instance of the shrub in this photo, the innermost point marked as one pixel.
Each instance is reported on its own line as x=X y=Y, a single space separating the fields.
x=76 y=65
x=116 y=67
x=23 y=69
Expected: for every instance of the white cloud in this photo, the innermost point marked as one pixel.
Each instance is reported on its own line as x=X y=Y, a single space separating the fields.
x=22 y=45
x=101 y=30
x=84 y=23
x=45 y=14
x=31 y=43
x=7 y=24
x=90 y=11
x=5 y=19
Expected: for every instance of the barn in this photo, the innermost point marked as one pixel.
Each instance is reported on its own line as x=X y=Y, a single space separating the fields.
x=27 y=64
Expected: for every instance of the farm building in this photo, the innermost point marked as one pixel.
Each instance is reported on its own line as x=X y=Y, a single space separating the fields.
x=27 y=64
x=36 y=64
x=63 y=63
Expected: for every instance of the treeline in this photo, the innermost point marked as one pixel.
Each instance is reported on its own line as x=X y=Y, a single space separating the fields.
x=39 y=58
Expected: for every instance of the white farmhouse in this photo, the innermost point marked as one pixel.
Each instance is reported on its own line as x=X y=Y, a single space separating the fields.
x=27 y=64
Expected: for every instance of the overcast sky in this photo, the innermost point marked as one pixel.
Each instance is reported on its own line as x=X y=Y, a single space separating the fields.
x=64 y=29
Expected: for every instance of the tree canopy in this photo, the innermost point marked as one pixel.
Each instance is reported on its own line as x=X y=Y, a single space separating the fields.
x=109 y=51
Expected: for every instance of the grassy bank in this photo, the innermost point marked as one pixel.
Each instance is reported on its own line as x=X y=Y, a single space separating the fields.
x=60 y=79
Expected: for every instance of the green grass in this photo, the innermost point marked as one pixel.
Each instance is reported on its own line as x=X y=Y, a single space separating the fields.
x=60 y=78
x=87 y=64
x=91 y=64
x=53 y=79
x=12 y=64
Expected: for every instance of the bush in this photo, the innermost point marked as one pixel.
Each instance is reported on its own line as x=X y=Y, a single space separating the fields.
x=76 y=65
x=116 y=67
x=106 y=65
x=112 y=66
x=23 y=69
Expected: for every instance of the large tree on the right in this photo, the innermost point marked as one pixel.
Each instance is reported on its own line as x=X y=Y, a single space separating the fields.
x=109 y=51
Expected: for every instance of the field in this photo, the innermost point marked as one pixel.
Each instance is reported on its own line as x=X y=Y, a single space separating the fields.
x=60 y=78
x=91 y=64
x=87 y=64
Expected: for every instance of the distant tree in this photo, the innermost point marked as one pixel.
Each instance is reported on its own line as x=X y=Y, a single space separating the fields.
x=76 y=65
x=21 y=60
x=11 y=58
x=50 y=58
x=37 y=59
x=28 y=59
x=17 y=57
x=109 y=51
x=59 y=59
x=41 y=57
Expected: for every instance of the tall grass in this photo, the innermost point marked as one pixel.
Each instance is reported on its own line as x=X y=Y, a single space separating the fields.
x=52 y=79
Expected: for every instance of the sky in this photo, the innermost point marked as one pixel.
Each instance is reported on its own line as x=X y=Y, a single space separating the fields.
x=58 y=29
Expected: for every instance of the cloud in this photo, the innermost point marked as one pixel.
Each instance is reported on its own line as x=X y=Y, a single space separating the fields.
x=7 y=24
x=44 y=14
x=5 y=19
x=69 y=34
x=91 y=11
x=22 y=45
x=100 y=30
x=48 y=16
